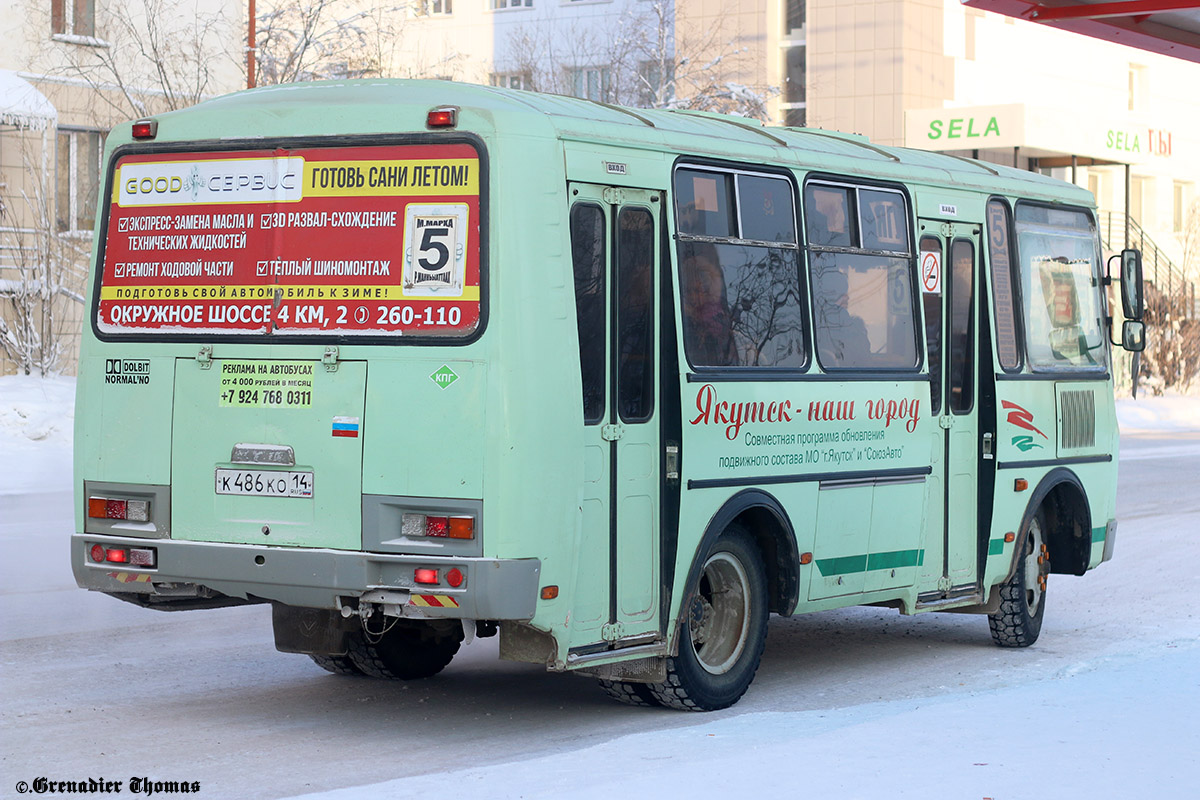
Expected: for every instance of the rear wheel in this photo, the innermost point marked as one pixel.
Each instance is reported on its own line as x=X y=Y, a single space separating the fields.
x=1023 y=596
x=723 y=629
x=338 y=665
x=631 y=694
x=406 y=651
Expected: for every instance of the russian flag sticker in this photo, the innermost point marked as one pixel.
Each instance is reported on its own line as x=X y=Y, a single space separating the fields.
x=345 y=426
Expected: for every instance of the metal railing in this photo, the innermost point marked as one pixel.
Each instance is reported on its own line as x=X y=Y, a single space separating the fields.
x=1157 y=267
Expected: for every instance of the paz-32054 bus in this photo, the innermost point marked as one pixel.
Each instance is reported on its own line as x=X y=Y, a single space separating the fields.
x=416 y=362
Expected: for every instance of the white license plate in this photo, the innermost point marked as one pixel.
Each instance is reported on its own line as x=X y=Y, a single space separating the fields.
x=264 y=483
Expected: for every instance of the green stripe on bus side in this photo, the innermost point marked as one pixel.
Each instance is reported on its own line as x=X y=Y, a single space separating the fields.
x=1099 y=535
x=846 y=565
x=896 y=558
x=995 y=547
x=842 y=566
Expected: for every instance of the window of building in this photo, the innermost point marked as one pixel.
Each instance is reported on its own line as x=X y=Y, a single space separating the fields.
x=512 y=80
x=655 y=83
x=1138 y=87
x=794 y=11
x=864 y=313
x=499 y=5
x=77 y=179
x=739 y=270
x=795 y=117
x=1141 y=194
x=75 y=17
x=590 y=83
x=795 y=74
x=1179 y=205
x=432 y=8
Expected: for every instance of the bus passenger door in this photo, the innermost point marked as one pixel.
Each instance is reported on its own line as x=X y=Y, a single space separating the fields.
x=951 y=315
x=615 y=254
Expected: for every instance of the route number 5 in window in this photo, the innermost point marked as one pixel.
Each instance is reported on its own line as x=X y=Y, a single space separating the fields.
x=434 y=250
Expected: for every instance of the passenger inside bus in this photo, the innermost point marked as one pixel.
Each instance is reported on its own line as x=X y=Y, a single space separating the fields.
x=707 y=325
x=842 y=339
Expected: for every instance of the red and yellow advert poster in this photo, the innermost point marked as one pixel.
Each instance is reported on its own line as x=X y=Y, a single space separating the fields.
x=371 y=241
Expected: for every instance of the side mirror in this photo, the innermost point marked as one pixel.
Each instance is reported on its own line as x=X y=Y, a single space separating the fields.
x=1133 y=335
x=1132 y=299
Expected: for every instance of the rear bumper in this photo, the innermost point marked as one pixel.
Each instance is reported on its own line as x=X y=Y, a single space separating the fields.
x=493 y=589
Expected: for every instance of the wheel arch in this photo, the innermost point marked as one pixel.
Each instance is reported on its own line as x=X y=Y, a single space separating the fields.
x=1063 y=500
x=769 y=525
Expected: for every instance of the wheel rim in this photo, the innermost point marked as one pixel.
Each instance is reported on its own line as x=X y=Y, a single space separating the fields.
x=1036 y=565
x=720 y=616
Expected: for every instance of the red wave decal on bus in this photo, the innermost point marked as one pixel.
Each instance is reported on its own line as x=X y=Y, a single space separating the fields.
x=1021 y=418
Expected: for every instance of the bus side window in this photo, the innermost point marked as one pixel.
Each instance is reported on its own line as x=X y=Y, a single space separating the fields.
x=933 y=330
x=588 y=257
x=827 y=216
x=962 y=296
x=635 y=314
x=864 y=312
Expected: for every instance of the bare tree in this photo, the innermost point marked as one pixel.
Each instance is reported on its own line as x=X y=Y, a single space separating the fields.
x=317 y=39
x=153 y=56
x=646 y=58
x=39 y=274
x=682 y=64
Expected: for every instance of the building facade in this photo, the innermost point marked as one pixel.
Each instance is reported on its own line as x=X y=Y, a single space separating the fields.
x=69 y=71
x=929 y=74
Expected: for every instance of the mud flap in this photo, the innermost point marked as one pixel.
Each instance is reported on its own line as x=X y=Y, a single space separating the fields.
x=312 y=631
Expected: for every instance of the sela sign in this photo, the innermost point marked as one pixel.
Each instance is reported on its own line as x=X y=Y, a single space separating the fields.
x=965 y=128
x=1146 y=141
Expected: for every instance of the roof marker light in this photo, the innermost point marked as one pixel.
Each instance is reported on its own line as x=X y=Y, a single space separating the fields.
x=145 y=129
x=442 y=117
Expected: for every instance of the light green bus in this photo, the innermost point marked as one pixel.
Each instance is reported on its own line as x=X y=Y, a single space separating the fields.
x=416 y=362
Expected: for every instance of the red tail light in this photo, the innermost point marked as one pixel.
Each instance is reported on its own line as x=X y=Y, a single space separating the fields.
x=426 y=576
x=116 y=556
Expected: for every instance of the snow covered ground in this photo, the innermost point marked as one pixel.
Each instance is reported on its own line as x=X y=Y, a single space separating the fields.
x=858 y=703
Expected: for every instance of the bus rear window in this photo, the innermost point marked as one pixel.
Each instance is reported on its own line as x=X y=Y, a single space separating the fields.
x=369 y=242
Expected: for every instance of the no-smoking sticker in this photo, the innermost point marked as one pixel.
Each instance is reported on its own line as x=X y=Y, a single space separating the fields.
x=931 y=272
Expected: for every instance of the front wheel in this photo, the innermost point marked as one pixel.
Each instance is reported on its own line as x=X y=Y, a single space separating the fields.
x=1023 y=596
x=723 y=629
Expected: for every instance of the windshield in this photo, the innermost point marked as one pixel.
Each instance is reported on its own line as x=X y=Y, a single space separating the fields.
x=1060 y=288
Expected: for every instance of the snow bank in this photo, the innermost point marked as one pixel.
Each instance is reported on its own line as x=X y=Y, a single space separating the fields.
x=1083 y=736
x=1170 y=412
x=37 y=419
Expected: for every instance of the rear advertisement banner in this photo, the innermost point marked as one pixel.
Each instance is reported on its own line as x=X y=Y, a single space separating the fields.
x=371 y=241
